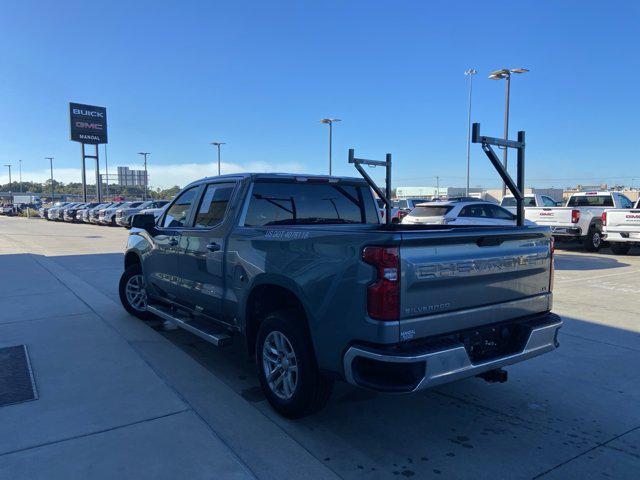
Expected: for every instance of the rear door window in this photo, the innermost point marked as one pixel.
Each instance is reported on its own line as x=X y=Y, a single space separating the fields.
x=494 y=211
x=213 y=204
x=279 y=203
x=476 y=211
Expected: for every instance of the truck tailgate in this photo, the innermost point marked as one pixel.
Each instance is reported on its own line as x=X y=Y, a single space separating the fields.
x=549 y=215
x=619 y=220
x=456 y=272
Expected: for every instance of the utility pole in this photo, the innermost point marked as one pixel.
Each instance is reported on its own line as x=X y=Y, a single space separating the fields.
x=20 y=173
x=218 y=144
x=505 y=73
x=437 y=187
x=9 y=165
x=469 y=73
x=51 y=166
x=106 y=169
x=146 y=178
x=330 y=121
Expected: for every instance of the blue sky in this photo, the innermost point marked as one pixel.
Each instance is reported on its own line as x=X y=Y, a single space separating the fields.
x=175 y=76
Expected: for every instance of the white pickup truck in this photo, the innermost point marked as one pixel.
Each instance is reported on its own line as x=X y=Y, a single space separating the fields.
x=581 y=218
x=621 y=228
x=533 y=200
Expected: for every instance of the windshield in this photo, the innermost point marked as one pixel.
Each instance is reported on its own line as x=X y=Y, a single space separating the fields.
x=430 y=211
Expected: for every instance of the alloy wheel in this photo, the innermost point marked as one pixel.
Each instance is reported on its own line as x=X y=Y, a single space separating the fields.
x=280 y=365
x=136 y=293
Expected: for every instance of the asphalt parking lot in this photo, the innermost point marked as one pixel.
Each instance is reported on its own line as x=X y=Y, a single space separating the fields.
x=573 y=413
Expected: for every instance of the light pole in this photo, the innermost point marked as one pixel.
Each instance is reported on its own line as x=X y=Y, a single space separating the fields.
x=20 y=173
x=218 y=144
x=51 y=166
x=469 y=73
x=146 y=179
x=106 y=169
x=499 y=75
x=437 y=187
x=330 y=121
x=9 y=165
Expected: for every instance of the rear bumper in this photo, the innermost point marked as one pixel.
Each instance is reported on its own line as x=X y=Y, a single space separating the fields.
x=402 y=368
x=622 y=237
x=566 y=231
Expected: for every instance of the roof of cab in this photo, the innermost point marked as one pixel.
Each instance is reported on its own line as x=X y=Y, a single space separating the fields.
x=275 y=176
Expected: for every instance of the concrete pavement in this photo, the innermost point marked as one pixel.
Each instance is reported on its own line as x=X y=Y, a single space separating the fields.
x=569 y=414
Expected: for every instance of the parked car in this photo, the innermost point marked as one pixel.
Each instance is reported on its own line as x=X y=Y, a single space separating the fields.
x=8 y=209
x=156 y=212
x=533 y=200
x=107 y=216
x=80 y=211
x=124 y=215
x=581 y=219
x=88 y=212
x=44 y=210
x=465 y=211
x=57 y=213
x=395 y=211
x=95 y=215
x=621 y=228
x=69 y=214
x=305 y=276
x=405 y=205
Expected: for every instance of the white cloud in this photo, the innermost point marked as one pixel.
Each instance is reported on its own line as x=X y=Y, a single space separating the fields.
x=163 y=176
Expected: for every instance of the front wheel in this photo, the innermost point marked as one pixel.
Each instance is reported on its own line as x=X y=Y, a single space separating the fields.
x=620 y=248
x=133 y=292
x=287 y=368
x=593 y=241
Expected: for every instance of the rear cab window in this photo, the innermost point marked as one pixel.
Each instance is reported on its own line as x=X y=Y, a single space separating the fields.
x=590 y=201
x=275 y=203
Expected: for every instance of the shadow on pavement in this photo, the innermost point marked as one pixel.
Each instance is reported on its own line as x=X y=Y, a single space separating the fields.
x=568 y=261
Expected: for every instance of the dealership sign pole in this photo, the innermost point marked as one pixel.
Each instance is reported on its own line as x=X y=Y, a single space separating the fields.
x=88 y=127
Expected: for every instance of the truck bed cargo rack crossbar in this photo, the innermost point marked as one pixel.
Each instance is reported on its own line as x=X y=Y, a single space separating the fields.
x=516 y=188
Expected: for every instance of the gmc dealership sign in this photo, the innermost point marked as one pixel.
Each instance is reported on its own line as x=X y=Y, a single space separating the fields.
x=88 y=123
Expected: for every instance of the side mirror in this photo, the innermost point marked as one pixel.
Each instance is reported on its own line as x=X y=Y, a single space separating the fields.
x=145 y=221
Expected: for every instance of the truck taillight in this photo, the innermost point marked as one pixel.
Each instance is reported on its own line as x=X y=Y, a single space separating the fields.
x=604 y=218
x=383 y=295
x=575 y=216
x=552 y=248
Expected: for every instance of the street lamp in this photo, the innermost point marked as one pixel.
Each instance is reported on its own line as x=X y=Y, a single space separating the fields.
x=469 y=73
x=9 y=165
x=505 y=73
x=51 y=166
x=330 y=121
x=218 y=144
x=146 y=178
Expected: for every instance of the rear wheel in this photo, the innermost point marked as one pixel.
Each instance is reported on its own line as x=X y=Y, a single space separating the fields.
x=287 y=368
x=620 y=248
x=593 y=241
x=133 y=292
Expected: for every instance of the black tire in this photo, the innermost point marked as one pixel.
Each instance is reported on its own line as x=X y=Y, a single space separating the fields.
x=312 y=389
x=593 y=241
x=620 y=248
x=129 y=273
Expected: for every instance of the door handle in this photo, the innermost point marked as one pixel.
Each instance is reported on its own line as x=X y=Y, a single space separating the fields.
x=173 y=242
x=213 y=247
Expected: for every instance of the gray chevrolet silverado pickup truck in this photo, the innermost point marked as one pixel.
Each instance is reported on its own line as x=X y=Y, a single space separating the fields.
x=299 y=268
